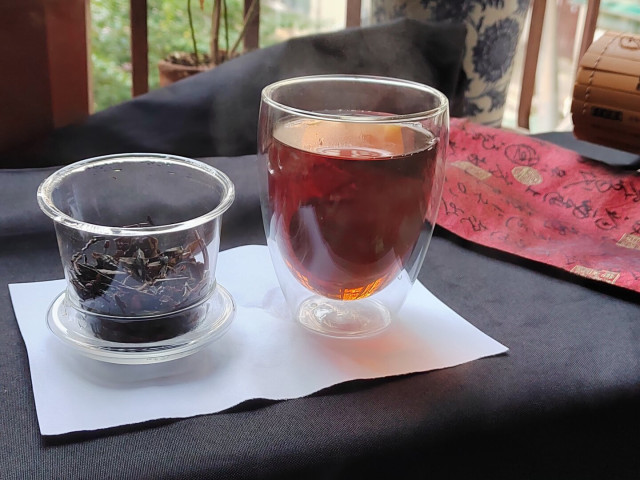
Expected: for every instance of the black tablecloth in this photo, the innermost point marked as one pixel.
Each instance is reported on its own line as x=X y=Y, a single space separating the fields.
x=563 y=403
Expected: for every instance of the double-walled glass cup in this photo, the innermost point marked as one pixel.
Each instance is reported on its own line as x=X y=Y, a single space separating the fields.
x=352 y=169
x=138 y=236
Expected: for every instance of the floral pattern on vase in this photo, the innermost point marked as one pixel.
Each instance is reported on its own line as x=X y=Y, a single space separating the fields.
x=493 y=33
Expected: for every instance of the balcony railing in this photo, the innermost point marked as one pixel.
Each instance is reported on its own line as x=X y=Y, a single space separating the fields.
x=139 y=47
x=251 y=41
x=45 y=50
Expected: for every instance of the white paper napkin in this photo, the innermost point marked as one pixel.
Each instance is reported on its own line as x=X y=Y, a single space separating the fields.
x=264 y=354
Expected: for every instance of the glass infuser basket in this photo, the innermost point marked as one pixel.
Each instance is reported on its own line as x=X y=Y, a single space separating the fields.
x=139 y=236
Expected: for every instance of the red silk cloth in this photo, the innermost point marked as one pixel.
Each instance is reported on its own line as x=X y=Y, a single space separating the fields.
x=536 y=200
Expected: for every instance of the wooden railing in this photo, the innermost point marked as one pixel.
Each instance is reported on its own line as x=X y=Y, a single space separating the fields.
x=52 y=36
x=140 y=49
x=353 y=15
x=533 y=49
x=44 y=78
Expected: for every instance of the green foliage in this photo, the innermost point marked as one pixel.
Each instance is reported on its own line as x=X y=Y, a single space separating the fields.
x=168 y=31
x=110 y=52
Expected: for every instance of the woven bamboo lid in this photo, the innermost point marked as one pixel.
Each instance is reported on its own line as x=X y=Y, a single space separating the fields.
x=606 y=94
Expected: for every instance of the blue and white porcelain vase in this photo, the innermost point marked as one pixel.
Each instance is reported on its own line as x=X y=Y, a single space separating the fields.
x=493 y=32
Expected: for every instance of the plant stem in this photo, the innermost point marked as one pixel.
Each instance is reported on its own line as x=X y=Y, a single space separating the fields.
x=215 y=34
x=193 y=33
x=226 y=26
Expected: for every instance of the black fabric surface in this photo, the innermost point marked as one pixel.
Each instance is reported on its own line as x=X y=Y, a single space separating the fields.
x=600 y=153
x=216 y=113
x=563 y=403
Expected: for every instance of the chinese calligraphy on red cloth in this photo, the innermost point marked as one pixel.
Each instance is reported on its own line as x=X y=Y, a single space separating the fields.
x=536 y=200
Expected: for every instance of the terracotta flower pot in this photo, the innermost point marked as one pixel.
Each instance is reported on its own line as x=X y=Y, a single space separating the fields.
x=172 y=72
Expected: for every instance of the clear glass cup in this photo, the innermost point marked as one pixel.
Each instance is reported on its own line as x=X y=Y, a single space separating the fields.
x=138 y=236
x=352 y=169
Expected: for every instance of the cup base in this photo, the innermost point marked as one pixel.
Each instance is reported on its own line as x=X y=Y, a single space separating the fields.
x=73 y=328
x=343 y=319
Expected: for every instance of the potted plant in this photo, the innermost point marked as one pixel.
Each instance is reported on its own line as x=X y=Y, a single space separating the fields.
x=179 y=65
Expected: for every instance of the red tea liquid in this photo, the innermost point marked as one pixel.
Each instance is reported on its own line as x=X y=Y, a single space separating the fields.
x=350 y=201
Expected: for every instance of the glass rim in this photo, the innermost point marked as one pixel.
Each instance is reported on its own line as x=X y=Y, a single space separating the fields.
x=269 y=90
x=48 y=207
